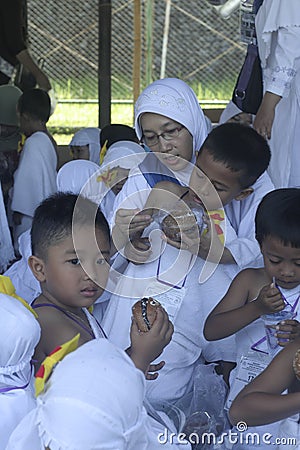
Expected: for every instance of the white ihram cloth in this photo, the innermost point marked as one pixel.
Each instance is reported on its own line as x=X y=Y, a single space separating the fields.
x=182 y=354
x=278 y=33
x=25 y=283
x=229 y=112
x=94 y=400
x=240 y=229
x=88 y=136
x=19 y=334
x=125 y=154
x=35 y=177
x=6 y=248
x=74 y=175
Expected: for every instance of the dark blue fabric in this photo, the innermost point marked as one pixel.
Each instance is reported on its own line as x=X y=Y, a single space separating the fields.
x=256 y=5
x=155 y=171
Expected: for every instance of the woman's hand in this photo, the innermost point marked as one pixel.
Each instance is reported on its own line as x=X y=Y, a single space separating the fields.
x=264 y=118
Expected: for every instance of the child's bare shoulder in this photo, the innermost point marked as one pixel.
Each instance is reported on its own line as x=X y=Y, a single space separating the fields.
x=251 y=274
x=253 y=279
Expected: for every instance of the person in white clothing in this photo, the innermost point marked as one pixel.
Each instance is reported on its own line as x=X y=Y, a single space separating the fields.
x=35 y=177
x=71 y=177
x=171 y=275
x=171 y=124
x=20 y=333
x=278 y=118
x=256 y=292
x=85 y=144
x=232 y=113
x=118 y=160
x=94 y=400
x=261 y=402
x=71 y=262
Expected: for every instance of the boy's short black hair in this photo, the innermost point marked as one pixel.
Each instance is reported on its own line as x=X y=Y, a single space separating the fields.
x=36 y=103
x=278 y=215
x=116 y=132
x=241 y=149
x=54 y=219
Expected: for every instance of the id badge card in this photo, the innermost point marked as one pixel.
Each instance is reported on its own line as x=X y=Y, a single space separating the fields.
x=248 y=368
x=170 y=299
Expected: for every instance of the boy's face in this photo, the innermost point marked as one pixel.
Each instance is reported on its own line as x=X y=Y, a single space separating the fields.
x=77 y=279
x=211 y=182
x=80 y=151
x=174 y=152
x=282 y=262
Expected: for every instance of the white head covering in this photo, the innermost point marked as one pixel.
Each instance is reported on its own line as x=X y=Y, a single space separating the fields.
x=73 y=175
x=19 y=334
x=125 y=154
x=94 y=400
x=91 y=137
x=173 y=98
x=272 y=15
x=229 y=112
x=6 y=248
x=25 y=283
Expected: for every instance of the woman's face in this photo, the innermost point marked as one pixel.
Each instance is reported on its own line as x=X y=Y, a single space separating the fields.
x=80 y=152
x=169 y=138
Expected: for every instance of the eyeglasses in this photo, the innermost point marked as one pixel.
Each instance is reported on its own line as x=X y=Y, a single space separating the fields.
x=169 y=135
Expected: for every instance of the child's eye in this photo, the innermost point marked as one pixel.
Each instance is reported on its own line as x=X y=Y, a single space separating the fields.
x=74 y=261
x=101 y=261
x=273 y=262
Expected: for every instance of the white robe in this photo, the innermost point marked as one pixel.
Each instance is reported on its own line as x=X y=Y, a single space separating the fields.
x=25 y=283
x=240 y=234
x=94 y=400
x=188 y=342
x=19 y=334
x=34 y=179
x=278 y=33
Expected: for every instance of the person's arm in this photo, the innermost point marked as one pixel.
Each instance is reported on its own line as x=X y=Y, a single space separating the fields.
x=264 y=118
x=278 y=76
x=261 y=402
x=26 y=59
x=236 y=309
x=17 y=47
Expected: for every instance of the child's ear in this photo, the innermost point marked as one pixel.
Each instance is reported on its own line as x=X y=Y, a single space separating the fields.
x=37 y=268
x=244 y=194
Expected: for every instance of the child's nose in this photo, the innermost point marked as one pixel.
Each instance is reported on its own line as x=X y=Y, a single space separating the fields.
x=287 y=270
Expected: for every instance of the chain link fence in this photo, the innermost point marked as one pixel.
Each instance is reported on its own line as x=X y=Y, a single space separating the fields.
x=180 y=38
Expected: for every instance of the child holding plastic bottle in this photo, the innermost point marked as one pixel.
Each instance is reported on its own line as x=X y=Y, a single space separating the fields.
x=255 y=293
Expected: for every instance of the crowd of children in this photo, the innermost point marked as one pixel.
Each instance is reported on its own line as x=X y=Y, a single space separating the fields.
x=90 y=244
